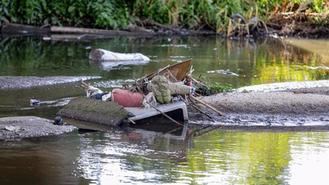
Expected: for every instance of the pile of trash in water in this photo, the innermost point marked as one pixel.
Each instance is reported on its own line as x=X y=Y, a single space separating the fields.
x=165 y=93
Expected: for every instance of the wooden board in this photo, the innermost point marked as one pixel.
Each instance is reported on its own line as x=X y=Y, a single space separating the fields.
x=178 y=70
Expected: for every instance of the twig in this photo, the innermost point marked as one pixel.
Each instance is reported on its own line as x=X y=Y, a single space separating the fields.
x=132 y=121
x=207 y=105
x=165 y=115
x=201 y=111
x=173 y=130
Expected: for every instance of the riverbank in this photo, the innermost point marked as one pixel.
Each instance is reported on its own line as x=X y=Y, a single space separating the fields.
x=82 y=33
x=291 y=27
x=166 y=17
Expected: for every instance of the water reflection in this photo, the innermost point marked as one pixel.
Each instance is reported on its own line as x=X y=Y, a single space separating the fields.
x=219 y=157
x=319 y=47
x=309 y=159
x=16 y=102
x=140 y=157
x=263 y=61
x=40 y=161
x=254 y=158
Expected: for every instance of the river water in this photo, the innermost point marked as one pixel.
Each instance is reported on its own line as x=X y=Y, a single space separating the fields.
x=145 y=157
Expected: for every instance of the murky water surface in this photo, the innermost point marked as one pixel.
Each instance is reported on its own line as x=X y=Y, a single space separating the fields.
x=145 y=157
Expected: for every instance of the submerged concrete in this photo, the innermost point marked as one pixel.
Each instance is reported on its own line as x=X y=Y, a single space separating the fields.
x=19 y=82
x=16 y=128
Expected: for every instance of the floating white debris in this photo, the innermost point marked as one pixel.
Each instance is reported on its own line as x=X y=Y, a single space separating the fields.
x=104 y=55
x=46 y=38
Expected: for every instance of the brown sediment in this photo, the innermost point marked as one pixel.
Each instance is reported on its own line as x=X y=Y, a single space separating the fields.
x=304 y=109
x=270 y=102
x=300 y=24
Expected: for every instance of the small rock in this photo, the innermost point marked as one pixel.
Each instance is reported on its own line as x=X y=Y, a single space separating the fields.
x=34 y=102
x=46 y=38
x=58 y=120
x=12 y=128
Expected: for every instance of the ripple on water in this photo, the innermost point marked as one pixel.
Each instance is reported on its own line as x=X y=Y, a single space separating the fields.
x=309 y=158
x=120 y=161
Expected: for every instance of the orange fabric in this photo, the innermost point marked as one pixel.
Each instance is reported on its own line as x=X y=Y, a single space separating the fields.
x=127 y=98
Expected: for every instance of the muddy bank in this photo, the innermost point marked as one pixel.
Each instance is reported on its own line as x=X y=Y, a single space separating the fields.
x=291 y=109
x=85 y=34
x=300 y=24
x=270 y=103
x=293 y=24
x=19 y=82
x=148 y=29
x=16 y=128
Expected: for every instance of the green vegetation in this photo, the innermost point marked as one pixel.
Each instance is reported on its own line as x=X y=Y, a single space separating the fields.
x=209 y=88
x=193 y=14
x=94 y=13
x=218 y=88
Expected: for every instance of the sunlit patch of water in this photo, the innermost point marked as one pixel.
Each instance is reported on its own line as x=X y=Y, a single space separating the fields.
x=284 y=86
x=309 y=159
x=121 y=161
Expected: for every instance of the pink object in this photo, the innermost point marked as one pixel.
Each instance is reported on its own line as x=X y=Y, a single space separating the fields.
x=127 y=98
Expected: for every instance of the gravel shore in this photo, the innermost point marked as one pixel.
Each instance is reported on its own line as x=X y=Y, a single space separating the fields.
x=16 y=128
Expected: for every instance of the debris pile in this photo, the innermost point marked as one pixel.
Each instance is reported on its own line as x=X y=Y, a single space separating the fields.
x=151 y=95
